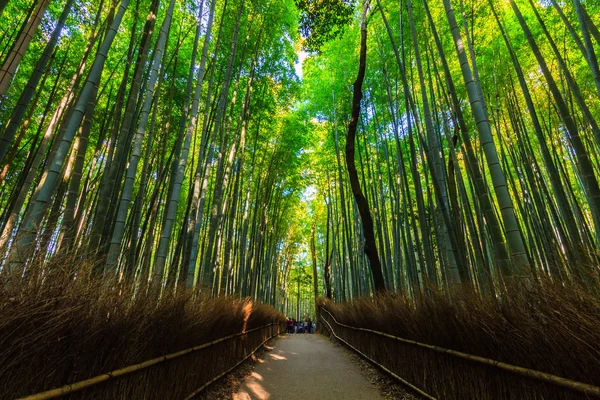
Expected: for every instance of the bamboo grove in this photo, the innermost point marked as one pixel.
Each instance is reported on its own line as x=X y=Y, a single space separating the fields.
x=150 y=141
x=170 y=143
x=476 y=148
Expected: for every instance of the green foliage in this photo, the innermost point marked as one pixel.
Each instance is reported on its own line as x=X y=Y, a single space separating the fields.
x=323 y=20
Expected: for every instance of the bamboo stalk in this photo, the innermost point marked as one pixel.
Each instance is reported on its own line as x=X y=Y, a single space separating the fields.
x=526 y=372
x=74 y=387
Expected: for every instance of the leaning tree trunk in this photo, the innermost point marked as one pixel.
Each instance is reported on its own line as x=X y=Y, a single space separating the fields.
x=588 y=178
x=126 y=196
x=520 y=267
x=173 y=200
x=207 y=266
x=31 y=86
x=589 y=47
x=77 y=172
x=361 y=202
x=456 y=274
x=50 y=178
x=12 y=61
x=473 y=167
x=559 y=193
x=118 y=148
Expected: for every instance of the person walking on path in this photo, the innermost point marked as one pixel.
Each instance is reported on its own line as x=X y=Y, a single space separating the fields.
x=307 y=325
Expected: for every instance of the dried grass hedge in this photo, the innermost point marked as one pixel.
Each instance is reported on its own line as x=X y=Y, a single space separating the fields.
x=58 y=330
x=550 y=327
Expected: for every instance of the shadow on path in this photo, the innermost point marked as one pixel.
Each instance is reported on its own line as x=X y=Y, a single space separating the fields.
x=306 y=367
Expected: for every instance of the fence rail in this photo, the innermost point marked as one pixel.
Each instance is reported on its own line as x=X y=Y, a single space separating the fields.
x=113 y=375
x=405 y=382
x=554 y=380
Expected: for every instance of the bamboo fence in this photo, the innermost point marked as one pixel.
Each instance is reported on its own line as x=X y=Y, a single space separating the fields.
x=114 y=375
x=574 y=388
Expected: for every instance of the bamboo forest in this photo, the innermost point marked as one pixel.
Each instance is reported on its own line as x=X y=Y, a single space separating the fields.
x=186 y=186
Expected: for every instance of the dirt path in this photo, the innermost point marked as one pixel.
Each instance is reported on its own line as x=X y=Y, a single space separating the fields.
x=306 y=367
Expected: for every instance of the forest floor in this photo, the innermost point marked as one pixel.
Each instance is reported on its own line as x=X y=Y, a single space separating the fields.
x=309 y=366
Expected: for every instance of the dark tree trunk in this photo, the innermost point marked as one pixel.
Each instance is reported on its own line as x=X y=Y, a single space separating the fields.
x=361 y=202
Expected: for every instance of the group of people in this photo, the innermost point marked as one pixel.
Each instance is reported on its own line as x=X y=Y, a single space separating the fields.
x=306 y=326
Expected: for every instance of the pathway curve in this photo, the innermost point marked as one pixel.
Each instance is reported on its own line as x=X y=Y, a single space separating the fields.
x=306 y=367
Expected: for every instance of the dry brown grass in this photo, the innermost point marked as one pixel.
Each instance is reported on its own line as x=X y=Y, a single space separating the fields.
x=549 y=327
x=57 y=330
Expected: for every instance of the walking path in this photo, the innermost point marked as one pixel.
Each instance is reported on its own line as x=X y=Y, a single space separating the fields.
x=306 y=367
